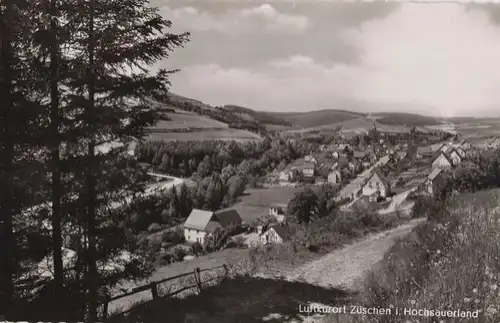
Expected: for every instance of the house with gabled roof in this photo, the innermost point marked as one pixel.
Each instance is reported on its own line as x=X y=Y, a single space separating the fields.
x=445 y=147
x=201 y=224
x=377 y=184
x=335 y=177
x=461 y=152
x=454 y=157
x=277 y=233
x=311 y=159
x=442 y=161
x=433 y=181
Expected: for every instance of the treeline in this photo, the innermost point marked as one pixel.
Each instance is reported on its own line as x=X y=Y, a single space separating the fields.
x=73 y=79
x=173 y=206
x=202 y=158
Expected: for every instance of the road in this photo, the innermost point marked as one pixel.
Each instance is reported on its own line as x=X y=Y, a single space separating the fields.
x=347 y=266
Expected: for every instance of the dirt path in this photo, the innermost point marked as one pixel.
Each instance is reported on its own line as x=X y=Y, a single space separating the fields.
x=346 y=267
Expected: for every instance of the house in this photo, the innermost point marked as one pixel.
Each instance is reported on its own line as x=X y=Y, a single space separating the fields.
x=442 y=161
x=287 y=175
x=465 y=145
x=454 y=157
x=335 y=176
x=493 y=143
x=350 y=191
x=308 y=170
x=278 y=211
x=335 y=154
x=401 y=155
x=374 y=197
x=277 y=233
x=354 y=166
x=377 y=182
x=445 y=148
x=311 y=159
x=201 y=224
x=461 y=152
x=433 y=181
x=366 y=164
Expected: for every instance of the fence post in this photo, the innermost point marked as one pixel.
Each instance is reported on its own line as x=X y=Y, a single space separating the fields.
x=105 y=309
x=197 y=276
x=154 y=290
x=226 y=271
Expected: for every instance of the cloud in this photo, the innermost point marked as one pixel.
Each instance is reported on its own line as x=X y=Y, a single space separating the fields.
x=263 y=18
x=442 y=58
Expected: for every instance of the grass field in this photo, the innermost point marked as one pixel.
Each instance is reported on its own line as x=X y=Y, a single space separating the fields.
x=257 y=201
x=182 y=119
x=226 y=134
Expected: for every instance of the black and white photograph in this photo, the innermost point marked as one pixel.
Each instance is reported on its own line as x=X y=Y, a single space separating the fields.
x=248 y=161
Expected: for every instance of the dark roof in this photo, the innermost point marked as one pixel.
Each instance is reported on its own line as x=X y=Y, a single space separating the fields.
x=435 y=172
x=225 y=217
x=213 y=226
x=281 y=230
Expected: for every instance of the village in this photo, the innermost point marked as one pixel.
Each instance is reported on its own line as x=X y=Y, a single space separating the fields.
x=380 y=177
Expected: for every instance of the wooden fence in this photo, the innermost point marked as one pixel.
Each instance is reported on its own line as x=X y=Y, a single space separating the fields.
x=153 y=287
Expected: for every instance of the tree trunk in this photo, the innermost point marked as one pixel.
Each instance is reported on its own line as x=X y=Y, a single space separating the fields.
x=93 y=277
x=7 y=242
x=55 y=165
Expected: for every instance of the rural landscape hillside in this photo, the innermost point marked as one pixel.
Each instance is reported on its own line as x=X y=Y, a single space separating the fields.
x=190 y=118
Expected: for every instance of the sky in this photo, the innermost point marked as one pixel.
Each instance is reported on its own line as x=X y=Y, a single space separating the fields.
x=438 y=59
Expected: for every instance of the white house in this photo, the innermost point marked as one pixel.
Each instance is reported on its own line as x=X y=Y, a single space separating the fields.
x=308 y=170
x=335 y=155
x=287 y=175
x=444 y=148
x=350 y=191
x=441 y=161
x=201 y=224
x=454 y=157
x=433 y=180
x=334 y=176
x=278 y=211
x=377 y=183
x=277 y=233
x=311 y=159
x=461 y=152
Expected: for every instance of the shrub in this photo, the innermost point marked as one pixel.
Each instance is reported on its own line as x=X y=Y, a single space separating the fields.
x=154 y=227
x=175 y=237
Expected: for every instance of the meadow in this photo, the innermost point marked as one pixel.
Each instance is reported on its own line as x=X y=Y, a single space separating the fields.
x=209 y=134
x=255 y=203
